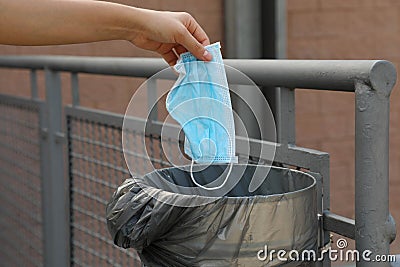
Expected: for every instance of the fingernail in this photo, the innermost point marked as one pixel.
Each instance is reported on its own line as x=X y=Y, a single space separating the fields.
x=207 y=55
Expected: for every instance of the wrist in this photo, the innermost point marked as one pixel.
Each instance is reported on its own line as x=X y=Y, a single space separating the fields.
x=133 y=22
x=122 y=22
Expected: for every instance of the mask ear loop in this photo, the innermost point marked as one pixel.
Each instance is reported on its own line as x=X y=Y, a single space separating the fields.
x=209 y=188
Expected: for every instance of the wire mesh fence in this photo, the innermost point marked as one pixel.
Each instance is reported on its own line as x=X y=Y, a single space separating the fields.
x=96 y=168
x=21 y=235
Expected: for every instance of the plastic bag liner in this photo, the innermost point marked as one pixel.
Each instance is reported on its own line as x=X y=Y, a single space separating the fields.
x=240 y=228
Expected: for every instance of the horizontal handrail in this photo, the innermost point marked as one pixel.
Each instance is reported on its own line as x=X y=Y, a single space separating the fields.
x=339 y=75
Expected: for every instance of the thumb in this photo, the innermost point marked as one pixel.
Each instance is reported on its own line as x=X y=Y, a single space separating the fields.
x=193 y=46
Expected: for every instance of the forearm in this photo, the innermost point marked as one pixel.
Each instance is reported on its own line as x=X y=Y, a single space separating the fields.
x=49 y=22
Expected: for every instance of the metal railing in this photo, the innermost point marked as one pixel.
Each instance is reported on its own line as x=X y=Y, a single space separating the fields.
x=70 y=223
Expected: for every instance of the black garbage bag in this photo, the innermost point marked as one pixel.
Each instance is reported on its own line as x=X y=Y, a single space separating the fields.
x=239 y=228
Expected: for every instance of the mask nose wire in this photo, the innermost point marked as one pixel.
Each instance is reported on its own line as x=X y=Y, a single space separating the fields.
x=209 y=188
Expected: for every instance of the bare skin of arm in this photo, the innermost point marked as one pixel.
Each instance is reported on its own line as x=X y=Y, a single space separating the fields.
x=53 y=22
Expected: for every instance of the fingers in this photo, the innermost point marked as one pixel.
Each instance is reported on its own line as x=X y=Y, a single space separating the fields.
x=188 y=36
x=170 y=58
x=191 y=44
x=167 y=52
x=180 y=49
x=193 y=38
x=197 y=32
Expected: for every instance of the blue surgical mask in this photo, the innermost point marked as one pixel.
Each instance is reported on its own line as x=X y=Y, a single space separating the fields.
x=200 y=102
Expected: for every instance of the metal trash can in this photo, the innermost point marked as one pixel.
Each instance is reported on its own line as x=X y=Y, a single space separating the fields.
x=240 y=228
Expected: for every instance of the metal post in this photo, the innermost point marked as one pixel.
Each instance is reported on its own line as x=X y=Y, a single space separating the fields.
x=374 y=226
x=280 y=29
x=54 y=196
x=152 y=107
x=321 y=165
x=75 y=89
x=243 y=29
x=243 y=40
x=34 y=86
x=286 y=119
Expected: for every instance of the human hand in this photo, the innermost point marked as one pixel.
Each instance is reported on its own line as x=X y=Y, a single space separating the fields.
x=164 y=32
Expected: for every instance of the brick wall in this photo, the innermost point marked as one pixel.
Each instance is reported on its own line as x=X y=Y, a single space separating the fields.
x=344 y=29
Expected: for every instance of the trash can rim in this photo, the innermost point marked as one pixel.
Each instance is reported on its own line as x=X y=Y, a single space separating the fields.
x=259 y=198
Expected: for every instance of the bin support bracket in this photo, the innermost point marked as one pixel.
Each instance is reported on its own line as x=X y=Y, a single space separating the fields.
x=338 y=224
